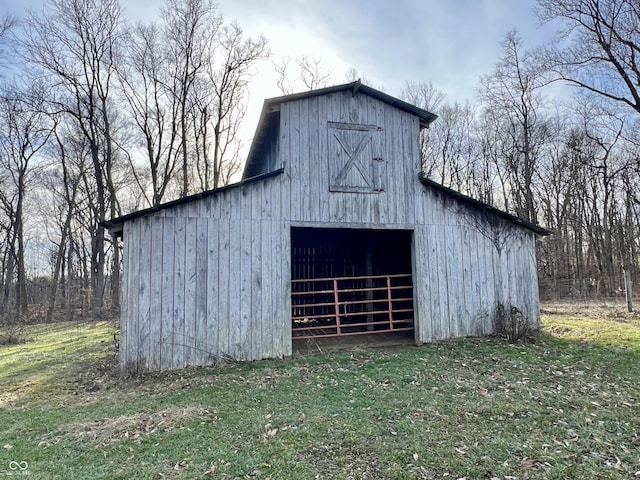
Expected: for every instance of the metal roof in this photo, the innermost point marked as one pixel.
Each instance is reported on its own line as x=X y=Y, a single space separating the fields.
x=270 y=116
x=115 y=224
x=485 y=206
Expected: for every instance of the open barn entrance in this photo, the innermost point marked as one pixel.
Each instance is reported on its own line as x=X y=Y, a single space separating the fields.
x=350 y=282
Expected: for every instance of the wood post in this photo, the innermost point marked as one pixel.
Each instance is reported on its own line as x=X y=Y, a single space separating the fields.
x=628 y=289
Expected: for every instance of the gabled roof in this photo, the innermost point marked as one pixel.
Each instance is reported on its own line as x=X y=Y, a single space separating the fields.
x=485 y=206
x=270 y=116
x=268 y=126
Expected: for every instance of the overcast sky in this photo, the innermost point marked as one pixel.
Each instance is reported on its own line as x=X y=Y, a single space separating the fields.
x=447 y=42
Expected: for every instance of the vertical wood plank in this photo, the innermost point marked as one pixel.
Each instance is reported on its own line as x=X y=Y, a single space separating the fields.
x=256 y=284
x=431 y=273
x=311 y=147
x=267 y=298
x=133 y=334
x=322 y=176
x=409 y=176
x=125 y=311
x=422 y=288
x=193 y=208
x=533 y=278
x=452 y=249
x=266 y=201
x=481 y=289
x=401 y=200
x=213 y=281
x=441 y=236
x=234 y=310
x=179 y=285
x=282 y=199
x=302 y=143
x=191 y=333
x=166 y=332
x=469 y=272
x=392 y=186
x=277 y=278
x=284 y=285
x=246 y=273
x=224 y=284
x=202 y=262
x=144 y=280
x=155 y=307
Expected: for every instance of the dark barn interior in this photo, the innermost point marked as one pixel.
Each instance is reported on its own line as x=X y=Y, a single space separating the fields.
x=350 y=282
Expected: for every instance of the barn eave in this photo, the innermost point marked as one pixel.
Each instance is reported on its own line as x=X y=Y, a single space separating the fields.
x=484 y=206
x=115 y=225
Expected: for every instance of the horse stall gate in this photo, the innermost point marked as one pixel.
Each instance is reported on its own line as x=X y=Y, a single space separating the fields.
x=350 y=282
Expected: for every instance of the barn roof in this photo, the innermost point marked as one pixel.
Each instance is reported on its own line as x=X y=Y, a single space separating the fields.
x=268 y=126
x=270 y=116
x=484 y=206
x=115 y=224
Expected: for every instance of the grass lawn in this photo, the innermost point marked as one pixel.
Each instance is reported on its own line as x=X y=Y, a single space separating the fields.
x=566 y=407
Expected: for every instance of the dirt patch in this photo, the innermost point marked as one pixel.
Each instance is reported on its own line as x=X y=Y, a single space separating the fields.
x=558 y=330
x=354 y=343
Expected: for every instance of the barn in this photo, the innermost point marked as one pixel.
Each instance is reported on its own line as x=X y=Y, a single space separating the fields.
x=333 y=231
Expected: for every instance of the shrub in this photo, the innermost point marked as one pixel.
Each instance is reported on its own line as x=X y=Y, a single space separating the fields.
x=511 y=323
x=12 y=334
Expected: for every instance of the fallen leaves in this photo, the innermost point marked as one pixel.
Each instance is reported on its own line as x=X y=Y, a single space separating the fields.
x=269 y=432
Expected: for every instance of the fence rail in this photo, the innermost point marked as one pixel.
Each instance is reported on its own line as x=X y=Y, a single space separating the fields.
x=340 y=306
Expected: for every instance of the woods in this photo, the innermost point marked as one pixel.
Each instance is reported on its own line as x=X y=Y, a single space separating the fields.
x=110 y=117
x=100 y=116
x=554 y=139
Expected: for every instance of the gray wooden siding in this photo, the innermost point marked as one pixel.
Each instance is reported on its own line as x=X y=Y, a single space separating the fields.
x=207 y=280
x=306 y=145
x=460 y=274
x=211 y=278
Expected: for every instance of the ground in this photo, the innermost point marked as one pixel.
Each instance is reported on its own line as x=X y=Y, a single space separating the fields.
x=563 y=407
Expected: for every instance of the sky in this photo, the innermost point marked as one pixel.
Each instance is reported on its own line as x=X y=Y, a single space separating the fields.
x=449 y=43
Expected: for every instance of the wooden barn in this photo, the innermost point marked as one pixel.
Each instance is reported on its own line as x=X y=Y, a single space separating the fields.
x=332 y=231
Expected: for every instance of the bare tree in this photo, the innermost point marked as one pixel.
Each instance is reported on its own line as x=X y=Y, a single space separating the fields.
x=598 y=48
x=24 y=129
x=228 y=73
x=152 y=106
x=7 y=25
x=352 y=74
x=190 y=27
x=308 y=73
x=512 y=94
x=76 y=42
x=63 y=184
x=424 y=95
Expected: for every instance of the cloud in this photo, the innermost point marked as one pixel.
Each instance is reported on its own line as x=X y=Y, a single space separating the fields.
x=450 y=43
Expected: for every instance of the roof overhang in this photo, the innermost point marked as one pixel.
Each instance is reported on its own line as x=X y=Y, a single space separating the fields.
x=115 y=225
x=485 y=207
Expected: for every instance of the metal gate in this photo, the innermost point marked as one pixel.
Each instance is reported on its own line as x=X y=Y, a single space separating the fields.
x=358 y=305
